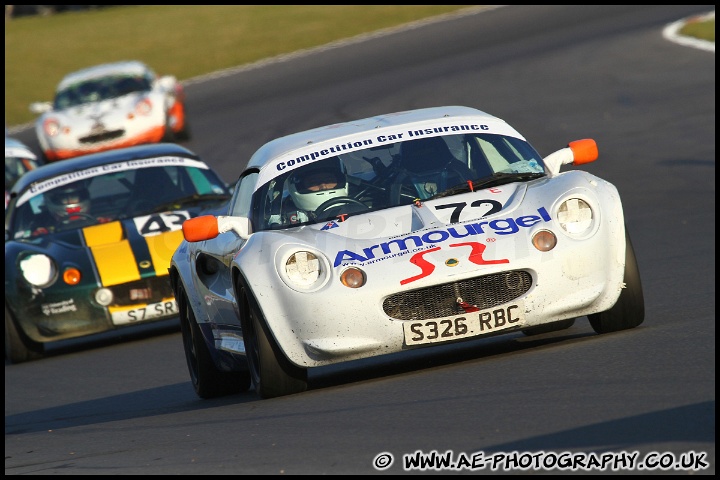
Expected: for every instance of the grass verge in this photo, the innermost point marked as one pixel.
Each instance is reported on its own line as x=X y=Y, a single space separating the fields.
x=185 y=41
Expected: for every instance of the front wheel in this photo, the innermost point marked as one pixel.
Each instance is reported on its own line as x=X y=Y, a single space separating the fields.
x=272 y=373
x=18 y=347
x=629 y=310
x=184 y=134
x=207 y=380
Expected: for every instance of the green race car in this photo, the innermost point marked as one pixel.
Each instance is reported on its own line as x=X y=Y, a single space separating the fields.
x=88 y=242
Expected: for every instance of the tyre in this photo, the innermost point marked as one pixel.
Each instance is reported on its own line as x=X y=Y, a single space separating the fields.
x=18 y=347
x=42 y=158
x=629 y=310
x=169 y=136
x=549 y=327
x=271 y=372
x=173 y=136
x=207 y=380
x=184 y=134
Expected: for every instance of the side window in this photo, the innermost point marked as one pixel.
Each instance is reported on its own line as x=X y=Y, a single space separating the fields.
x=241 y=201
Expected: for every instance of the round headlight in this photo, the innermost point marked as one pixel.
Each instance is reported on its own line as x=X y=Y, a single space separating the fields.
x=51 y=127
x=143 y=107
x=38 y=270
x=575 y=216
x=303 y=268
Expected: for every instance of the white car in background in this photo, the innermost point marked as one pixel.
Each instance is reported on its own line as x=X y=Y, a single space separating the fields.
x=19 y=160
x=393 y=233
x=110 y=106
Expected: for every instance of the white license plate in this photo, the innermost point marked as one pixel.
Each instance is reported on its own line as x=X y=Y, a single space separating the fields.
x=471 y=324
x=148 y=312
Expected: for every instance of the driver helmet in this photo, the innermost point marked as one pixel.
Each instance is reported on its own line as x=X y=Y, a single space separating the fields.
x=312 y=185
x=68 y=201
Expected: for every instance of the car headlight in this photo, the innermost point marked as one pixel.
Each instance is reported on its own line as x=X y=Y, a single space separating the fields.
x=38 y=270
x=575 y=216
x=303 y=270
x=51 y=127
x=143 y=107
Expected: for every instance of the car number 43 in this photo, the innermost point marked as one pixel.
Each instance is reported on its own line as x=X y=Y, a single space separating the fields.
x=472 y=324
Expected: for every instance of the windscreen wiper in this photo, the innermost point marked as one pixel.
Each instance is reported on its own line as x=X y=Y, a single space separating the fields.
x=500 y=178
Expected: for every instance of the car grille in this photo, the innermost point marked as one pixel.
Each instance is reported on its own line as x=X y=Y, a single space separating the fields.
x=102 y=136
x=146 y=290
x=443 y=300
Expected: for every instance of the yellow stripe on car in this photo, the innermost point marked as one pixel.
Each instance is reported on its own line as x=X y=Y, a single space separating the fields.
x=103 y=234
x=113 y=256
x=162 y=248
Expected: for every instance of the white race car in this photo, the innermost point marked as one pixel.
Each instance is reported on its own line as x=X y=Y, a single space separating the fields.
x=397 y=232
x=110 y=106
x=19 y=160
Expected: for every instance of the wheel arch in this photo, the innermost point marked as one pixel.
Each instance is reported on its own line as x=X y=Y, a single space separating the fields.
x=239 y=279
x=224 y=360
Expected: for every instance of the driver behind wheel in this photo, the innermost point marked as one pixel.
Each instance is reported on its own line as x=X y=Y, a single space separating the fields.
x=64 y=206
x=312 y=185
x=70 y=202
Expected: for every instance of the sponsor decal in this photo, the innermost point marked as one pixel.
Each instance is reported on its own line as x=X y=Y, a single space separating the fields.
x=475 y=256
x=379 y=140
x=59 y=181
x=365 y=140
x=58 y=307
x=427 y=240
x=329 y=225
